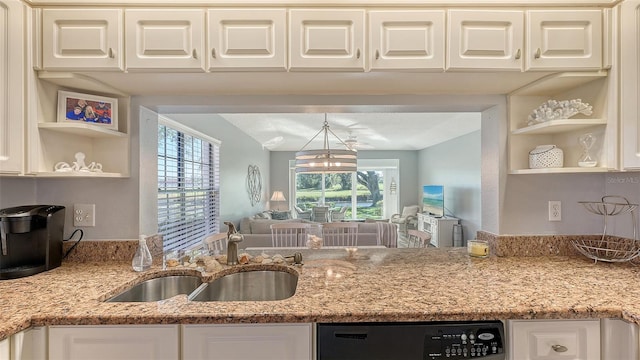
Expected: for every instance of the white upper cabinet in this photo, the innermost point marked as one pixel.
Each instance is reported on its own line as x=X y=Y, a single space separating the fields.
x=88 y=39
x=11 y=87
x=326 y=39
x=630 y=83
x=564 y=39
x=247 y=39
x=407 y=40
x=485 y=39
x=165 y=39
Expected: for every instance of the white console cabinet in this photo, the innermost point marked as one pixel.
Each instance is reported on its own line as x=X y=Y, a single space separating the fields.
x=440 y=228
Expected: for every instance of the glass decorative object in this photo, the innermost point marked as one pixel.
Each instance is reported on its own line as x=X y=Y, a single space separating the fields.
x=586 y=142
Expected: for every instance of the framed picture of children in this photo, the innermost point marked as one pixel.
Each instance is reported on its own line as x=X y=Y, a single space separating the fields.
x=88 y=109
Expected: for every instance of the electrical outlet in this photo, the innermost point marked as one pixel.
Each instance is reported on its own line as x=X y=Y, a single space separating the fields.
x=84 y=215
x=555 y=210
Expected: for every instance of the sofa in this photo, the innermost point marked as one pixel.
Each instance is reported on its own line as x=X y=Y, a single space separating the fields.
x=257 y=232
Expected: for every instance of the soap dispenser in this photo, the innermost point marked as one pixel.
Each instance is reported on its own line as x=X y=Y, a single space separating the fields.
x=142 y=259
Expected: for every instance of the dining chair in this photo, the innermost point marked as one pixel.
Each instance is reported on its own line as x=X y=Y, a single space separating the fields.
x=418 y=239
x=302 y=214
x=320 y=214
x=289 y=234
x=338 y=215
x=340 y=234
x=216 y=243
x=408 y=218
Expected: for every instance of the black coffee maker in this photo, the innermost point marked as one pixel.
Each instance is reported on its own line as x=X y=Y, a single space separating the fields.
x=30 y=239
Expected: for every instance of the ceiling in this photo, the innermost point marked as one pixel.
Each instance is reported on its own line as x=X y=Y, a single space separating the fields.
x=371 y=131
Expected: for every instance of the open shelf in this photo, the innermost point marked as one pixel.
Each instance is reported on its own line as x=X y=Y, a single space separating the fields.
x=558 y=126
x=591 y=88
x=562 y=170
x=82 y=129
x=81 y=174
x=79 y=81
x=558 y=83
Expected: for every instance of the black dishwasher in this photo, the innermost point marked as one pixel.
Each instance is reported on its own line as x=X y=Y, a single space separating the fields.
x=411 y=340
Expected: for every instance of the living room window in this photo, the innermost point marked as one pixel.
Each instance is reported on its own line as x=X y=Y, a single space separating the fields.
x=365 y=193
x=188 y=185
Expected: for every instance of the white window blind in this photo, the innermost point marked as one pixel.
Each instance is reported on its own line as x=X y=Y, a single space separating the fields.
x=188 y=186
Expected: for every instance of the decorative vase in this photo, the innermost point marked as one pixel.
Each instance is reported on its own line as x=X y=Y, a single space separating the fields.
x=546 y=156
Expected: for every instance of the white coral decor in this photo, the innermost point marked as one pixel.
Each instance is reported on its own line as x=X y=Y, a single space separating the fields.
x=558 y=109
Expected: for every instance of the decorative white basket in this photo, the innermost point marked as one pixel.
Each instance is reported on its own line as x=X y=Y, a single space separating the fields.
x=546 y=156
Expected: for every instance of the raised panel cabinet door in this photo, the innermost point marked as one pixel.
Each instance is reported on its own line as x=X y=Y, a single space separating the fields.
x=564 y=39
x=5 y=349
x=242 y=342
x=326 y=39
x=251 y=39
x=30 y=344
x=485 y=39
x=108 y=342
x=12 y=63
x=86 y=39
x=630 y=83
x=554 y=339
x=165 y=39
x=407 y=40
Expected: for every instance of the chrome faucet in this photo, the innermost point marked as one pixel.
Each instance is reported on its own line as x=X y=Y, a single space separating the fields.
x=296 y=257
x=233 y=238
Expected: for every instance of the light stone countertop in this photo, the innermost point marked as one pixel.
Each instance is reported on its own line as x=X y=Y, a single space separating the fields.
x=376 y=285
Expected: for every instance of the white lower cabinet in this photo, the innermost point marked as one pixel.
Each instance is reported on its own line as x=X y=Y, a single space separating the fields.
x=247 y=342
x=106 y=342
x=554 y=339
x=30 y=344
x=5 y=349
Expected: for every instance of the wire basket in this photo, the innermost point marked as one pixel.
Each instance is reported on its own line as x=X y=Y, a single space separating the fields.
x=609 y=248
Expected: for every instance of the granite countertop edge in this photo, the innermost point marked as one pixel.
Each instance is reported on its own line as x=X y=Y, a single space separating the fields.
x=376 y=286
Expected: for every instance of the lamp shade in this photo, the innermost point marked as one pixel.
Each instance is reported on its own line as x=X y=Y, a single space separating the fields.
x=278 y=196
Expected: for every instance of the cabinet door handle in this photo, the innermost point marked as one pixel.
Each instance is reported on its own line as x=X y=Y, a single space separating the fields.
x=559 y=348
x=213 y=53
x=377 y=54
x=358 y=54
x=518 y=54
x=195 y=54
x=537 y=54
x=112 y=54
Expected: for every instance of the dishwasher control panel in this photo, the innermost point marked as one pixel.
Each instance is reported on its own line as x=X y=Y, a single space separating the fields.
x=465 y=341
x=436 y=340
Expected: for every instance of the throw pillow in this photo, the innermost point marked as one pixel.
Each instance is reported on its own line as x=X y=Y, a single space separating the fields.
x=280 y=215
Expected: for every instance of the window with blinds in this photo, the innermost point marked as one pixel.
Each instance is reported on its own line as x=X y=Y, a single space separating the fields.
x=188 y=186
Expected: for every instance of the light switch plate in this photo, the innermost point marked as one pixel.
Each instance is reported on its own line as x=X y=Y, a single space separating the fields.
x=84 y=215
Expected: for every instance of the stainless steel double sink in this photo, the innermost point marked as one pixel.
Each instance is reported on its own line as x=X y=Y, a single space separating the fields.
x=253 y=285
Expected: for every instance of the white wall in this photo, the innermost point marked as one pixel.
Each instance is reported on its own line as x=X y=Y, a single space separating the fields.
x=456 y=164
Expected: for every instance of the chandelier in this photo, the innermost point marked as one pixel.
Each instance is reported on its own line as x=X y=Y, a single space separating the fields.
x=326 y=160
